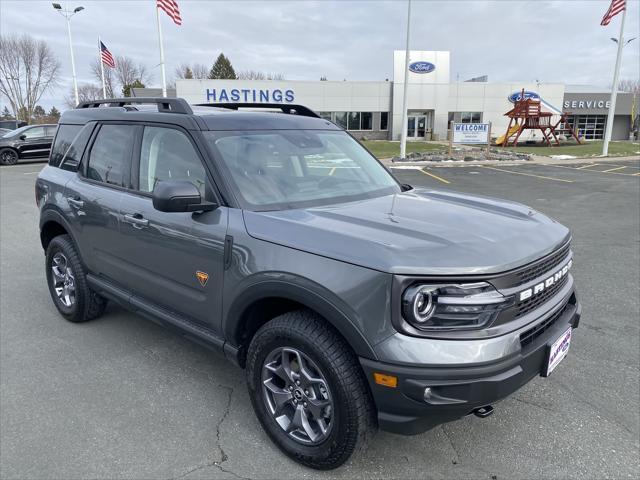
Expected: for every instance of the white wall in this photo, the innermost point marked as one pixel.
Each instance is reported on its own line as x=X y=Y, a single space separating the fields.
x=426 y=91
x=317 y=95
x=492 y=99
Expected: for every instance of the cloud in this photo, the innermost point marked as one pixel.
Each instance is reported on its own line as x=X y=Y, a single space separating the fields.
x=559 y=41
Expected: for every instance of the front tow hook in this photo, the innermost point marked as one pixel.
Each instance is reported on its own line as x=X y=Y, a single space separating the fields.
x=483 y=412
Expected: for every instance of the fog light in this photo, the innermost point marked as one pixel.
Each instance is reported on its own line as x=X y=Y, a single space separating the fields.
x=427 y=394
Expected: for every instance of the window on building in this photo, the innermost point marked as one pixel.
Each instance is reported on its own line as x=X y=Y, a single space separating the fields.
x=325 y=115
x=354 y=121
x=465 y=117
x=366 y=121
x=589 y=127
x=341 y=119
x=384 y=120
x=111 y=154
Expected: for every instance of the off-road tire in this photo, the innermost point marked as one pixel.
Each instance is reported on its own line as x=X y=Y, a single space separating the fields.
x=353 y=407
x=88 y=304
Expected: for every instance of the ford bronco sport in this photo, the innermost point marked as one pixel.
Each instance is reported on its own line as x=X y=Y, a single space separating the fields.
x=352 y=301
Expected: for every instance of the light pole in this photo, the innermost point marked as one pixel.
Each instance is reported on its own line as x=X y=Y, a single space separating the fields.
x=67 y=14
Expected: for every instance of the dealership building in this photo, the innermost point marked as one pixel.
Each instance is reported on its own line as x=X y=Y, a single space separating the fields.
x=373 y=109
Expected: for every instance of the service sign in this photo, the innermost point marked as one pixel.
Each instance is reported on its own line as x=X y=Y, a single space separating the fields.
x=471 y=133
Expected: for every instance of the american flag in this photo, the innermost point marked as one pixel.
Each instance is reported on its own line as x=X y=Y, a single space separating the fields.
x=615 y=8
x=107 y=58
x=171 y=9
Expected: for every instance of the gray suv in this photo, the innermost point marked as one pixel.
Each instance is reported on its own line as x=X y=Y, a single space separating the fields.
x=352 y=301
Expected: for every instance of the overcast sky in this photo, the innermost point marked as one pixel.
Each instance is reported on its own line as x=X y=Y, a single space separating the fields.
x=509 y=40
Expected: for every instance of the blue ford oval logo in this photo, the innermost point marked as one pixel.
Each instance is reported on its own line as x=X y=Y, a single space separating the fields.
x=528 y=95
x=422 y=67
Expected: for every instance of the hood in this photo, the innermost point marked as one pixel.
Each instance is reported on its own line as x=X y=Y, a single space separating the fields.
x=420 y=232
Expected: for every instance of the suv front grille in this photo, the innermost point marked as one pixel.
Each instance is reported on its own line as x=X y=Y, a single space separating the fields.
x=526 y=338
x=545 y=265
x=535 y=301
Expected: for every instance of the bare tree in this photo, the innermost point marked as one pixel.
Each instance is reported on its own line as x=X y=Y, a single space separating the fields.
x=183 y=72
x=628 y=85
x=86 y=92
x=28 y=68
x=200 y=71
x=127 y=72
x=257 y=75
x=196 y=71
x=109 y=77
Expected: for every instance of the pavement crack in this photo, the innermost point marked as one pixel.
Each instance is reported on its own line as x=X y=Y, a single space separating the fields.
x=456 y=459
x=223 y=455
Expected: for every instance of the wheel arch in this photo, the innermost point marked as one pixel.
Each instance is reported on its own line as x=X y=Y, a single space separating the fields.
x=53 y=224
x=265 y=300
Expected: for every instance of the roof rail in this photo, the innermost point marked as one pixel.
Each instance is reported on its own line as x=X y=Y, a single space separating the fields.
x=285 y=107
x=165 y=105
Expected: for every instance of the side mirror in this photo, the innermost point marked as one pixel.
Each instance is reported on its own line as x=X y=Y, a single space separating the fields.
x=22 y=137
x=179 y=196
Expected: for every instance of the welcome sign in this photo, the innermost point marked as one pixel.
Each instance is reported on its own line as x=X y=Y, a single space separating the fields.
x=471 y=133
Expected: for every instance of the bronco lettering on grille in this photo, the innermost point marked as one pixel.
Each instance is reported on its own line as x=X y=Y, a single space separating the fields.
x=539 y=287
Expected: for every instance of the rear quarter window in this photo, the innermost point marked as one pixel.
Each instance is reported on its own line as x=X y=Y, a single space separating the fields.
x=62 y=143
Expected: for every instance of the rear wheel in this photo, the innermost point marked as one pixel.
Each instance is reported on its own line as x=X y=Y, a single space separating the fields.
x=8 y=156
x=308 y=390
x=68 y=284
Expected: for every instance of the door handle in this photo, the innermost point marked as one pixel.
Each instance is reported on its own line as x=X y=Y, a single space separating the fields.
x=137 y=220
x=75 y=202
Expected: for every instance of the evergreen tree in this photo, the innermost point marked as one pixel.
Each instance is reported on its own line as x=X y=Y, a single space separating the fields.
x=6 y=114
x=126 y=89
x=38 y=112
x=54 y=114
x=188 y=74
x=222 y=69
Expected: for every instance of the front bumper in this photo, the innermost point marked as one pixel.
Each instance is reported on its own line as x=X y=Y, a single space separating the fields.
x=457 y=391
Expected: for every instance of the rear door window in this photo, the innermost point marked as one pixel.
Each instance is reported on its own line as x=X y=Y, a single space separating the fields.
x=110 y=157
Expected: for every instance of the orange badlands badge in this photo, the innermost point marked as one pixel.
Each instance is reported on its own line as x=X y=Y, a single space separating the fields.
x=202 y=277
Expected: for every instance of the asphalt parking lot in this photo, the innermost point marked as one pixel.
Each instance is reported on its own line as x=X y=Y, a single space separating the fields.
x=120 y=397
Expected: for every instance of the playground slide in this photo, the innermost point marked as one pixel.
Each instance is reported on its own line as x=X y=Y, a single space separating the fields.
x=500 y=140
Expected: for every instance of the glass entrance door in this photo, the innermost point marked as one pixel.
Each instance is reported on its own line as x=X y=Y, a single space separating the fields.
x=417 y=126
x=411 y=127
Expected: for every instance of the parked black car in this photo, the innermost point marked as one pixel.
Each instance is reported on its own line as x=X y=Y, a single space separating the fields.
x=32 y=141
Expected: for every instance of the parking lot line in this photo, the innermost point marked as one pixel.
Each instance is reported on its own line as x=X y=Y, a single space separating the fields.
x=435 y=176
x=528 y=174
x=587 y=166
x=593 y=171
x=613 y=169
x=332 y=171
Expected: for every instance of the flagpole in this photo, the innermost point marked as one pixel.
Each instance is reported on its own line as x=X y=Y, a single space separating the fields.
x=614 y=89
x=104 y=86
x=164 y=78
x=405 y=95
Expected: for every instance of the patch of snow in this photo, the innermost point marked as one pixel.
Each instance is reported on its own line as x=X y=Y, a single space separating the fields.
x=563 y=157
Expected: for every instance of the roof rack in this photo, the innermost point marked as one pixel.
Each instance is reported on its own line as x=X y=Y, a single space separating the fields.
x=165 y=105
x=285 y=108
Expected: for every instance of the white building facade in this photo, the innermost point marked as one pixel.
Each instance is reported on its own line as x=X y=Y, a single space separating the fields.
x=373 y=110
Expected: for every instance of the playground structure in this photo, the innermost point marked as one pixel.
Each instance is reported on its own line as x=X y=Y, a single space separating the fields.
x=527 y=114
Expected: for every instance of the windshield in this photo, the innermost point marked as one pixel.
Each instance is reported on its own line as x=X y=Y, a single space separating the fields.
x=285 y=169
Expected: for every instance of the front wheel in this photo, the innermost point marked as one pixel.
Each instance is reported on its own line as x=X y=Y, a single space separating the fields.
x=308 y=390
x=8 y=156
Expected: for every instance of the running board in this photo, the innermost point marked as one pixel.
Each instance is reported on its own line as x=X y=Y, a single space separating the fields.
x=188 y=328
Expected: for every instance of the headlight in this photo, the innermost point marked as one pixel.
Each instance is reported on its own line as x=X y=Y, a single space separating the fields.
x=452 y=306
